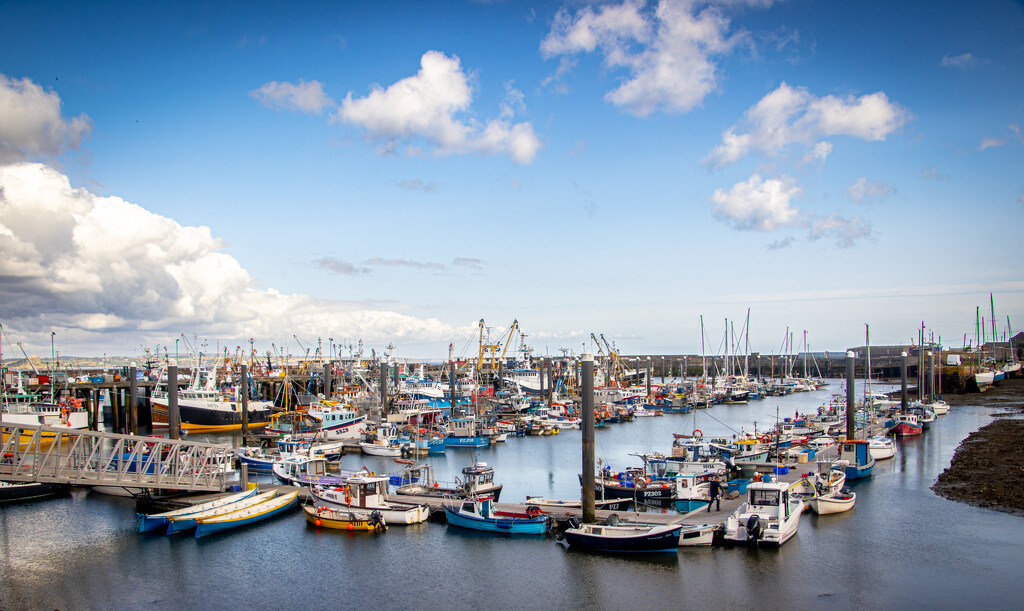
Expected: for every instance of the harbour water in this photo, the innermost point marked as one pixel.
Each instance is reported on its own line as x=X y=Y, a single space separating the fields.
x=900 y=547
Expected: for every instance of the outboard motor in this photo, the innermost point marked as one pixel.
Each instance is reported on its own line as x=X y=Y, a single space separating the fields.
x=572 y=522
x=754 y=529
x=377 y=520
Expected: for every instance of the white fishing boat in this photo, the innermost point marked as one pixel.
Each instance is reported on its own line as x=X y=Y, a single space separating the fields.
x=881 y=447
x=771 y=515
x=834 y=502
x=368 y=493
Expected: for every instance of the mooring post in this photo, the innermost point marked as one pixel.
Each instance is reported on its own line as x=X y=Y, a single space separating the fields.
x=244 y=392
x=329 y=382
x=131 y=409
x=649 y=373
x=173 y=417
x=587 y=394
x=851 y=427
x=903 y=382
x=383 y=389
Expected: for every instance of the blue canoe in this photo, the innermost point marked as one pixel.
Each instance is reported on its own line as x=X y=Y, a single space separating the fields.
x=158 y=521
x=250 y=515
x=178 y=524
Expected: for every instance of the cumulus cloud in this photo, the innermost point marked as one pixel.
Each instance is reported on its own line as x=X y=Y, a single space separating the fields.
x=845 y=232
x=1012 y=135
x=869 y=191
x=964 y=61
x=31 y=125
x=758 y=205
x=309 y=98
x=108 y=269
x=668 y=52
x=425 y=110
x=792 y=115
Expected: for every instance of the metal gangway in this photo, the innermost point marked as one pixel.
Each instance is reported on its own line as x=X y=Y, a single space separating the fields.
x=91 y=458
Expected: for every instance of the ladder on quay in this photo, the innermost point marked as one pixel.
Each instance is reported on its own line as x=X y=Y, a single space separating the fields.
x=90 y=458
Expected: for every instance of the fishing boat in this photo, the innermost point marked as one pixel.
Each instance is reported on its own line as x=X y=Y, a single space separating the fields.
x=209 y=407
x=881 y=447
x=855 y=459
x=181 y=523
x=368 y=493
x=305 y=470
x=833 y=502
x=381 y=448
x=248 y=515
x=906 y=425
x=158 y=521
x=340 y=519
x=477 y=479
x=12 y=492
x=771 y=515
x=337 y=423
x=633 y=484
x=622 y=538
x=479 y=513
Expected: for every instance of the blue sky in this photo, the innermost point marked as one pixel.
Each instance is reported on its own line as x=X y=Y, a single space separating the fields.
x=394 y=173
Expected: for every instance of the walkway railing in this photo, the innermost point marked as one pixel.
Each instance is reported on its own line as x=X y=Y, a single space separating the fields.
x=91 y=458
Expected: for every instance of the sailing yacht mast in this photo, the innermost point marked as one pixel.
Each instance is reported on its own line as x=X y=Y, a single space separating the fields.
x=867 y=383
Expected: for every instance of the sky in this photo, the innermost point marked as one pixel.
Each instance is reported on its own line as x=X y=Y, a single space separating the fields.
x=299 y=173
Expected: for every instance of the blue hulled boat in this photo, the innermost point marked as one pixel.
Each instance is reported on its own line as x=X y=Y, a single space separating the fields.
x=250 y=515
x=159 y=521
x=856 y=454
x=479 y=513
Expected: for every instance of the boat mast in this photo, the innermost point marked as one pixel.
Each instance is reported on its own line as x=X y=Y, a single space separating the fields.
x=867 y=383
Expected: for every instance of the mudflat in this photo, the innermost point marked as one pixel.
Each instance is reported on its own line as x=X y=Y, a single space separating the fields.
x=987 y=469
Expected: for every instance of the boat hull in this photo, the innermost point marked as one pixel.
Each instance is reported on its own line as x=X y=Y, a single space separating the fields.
x=252 y=515
x=31 y=491
x=906 y=429
x=510 y=525
x=325 y=517
x=595 y=538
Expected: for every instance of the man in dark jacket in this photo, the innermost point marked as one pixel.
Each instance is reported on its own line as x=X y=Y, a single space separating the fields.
x=715 y=494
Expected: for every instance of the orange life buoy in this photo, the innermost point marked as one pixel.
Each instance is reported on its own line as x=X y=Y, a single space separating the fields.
x=766 y=438
x=698 y=433
x=348 y=499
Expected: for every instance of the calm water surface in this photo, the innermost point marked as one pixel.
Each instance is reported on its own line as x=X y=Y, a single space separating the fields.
x=900 y=547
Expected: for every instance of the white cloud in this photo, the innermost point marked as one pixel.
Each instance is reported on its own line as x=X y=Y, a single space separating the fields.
x=1013 y=135
x=792 y=115
x=758 y=205
x=302 y=96
x=31 y=124
x=422 y=110
x=933 y=173
x=668 y=53
x=846 y=232
x=963 y=61
x=108 y=270
x=869 y=191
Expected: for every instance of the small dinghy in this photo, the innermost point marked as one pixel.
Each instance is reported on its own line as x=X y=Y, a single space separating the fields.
x=833 y=502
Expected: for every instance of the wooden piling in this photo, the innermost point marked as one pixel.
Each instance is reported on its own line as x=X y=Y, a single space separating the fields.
x=587 y=394
x=173 y=416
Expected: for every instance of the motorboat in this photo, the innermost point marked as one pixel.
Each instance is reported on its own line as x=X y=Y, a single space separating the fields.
x=477 y=479
x=622 y=538
x=341 y=519
x=882 y=447
x=368 y=493
x=771 y=515
x=480 y=513
x=833 y=502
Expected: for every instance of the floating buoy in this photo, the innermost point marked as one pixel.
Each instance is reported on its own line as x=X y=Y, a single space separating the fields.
x=351 y=527
x=318 y=522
